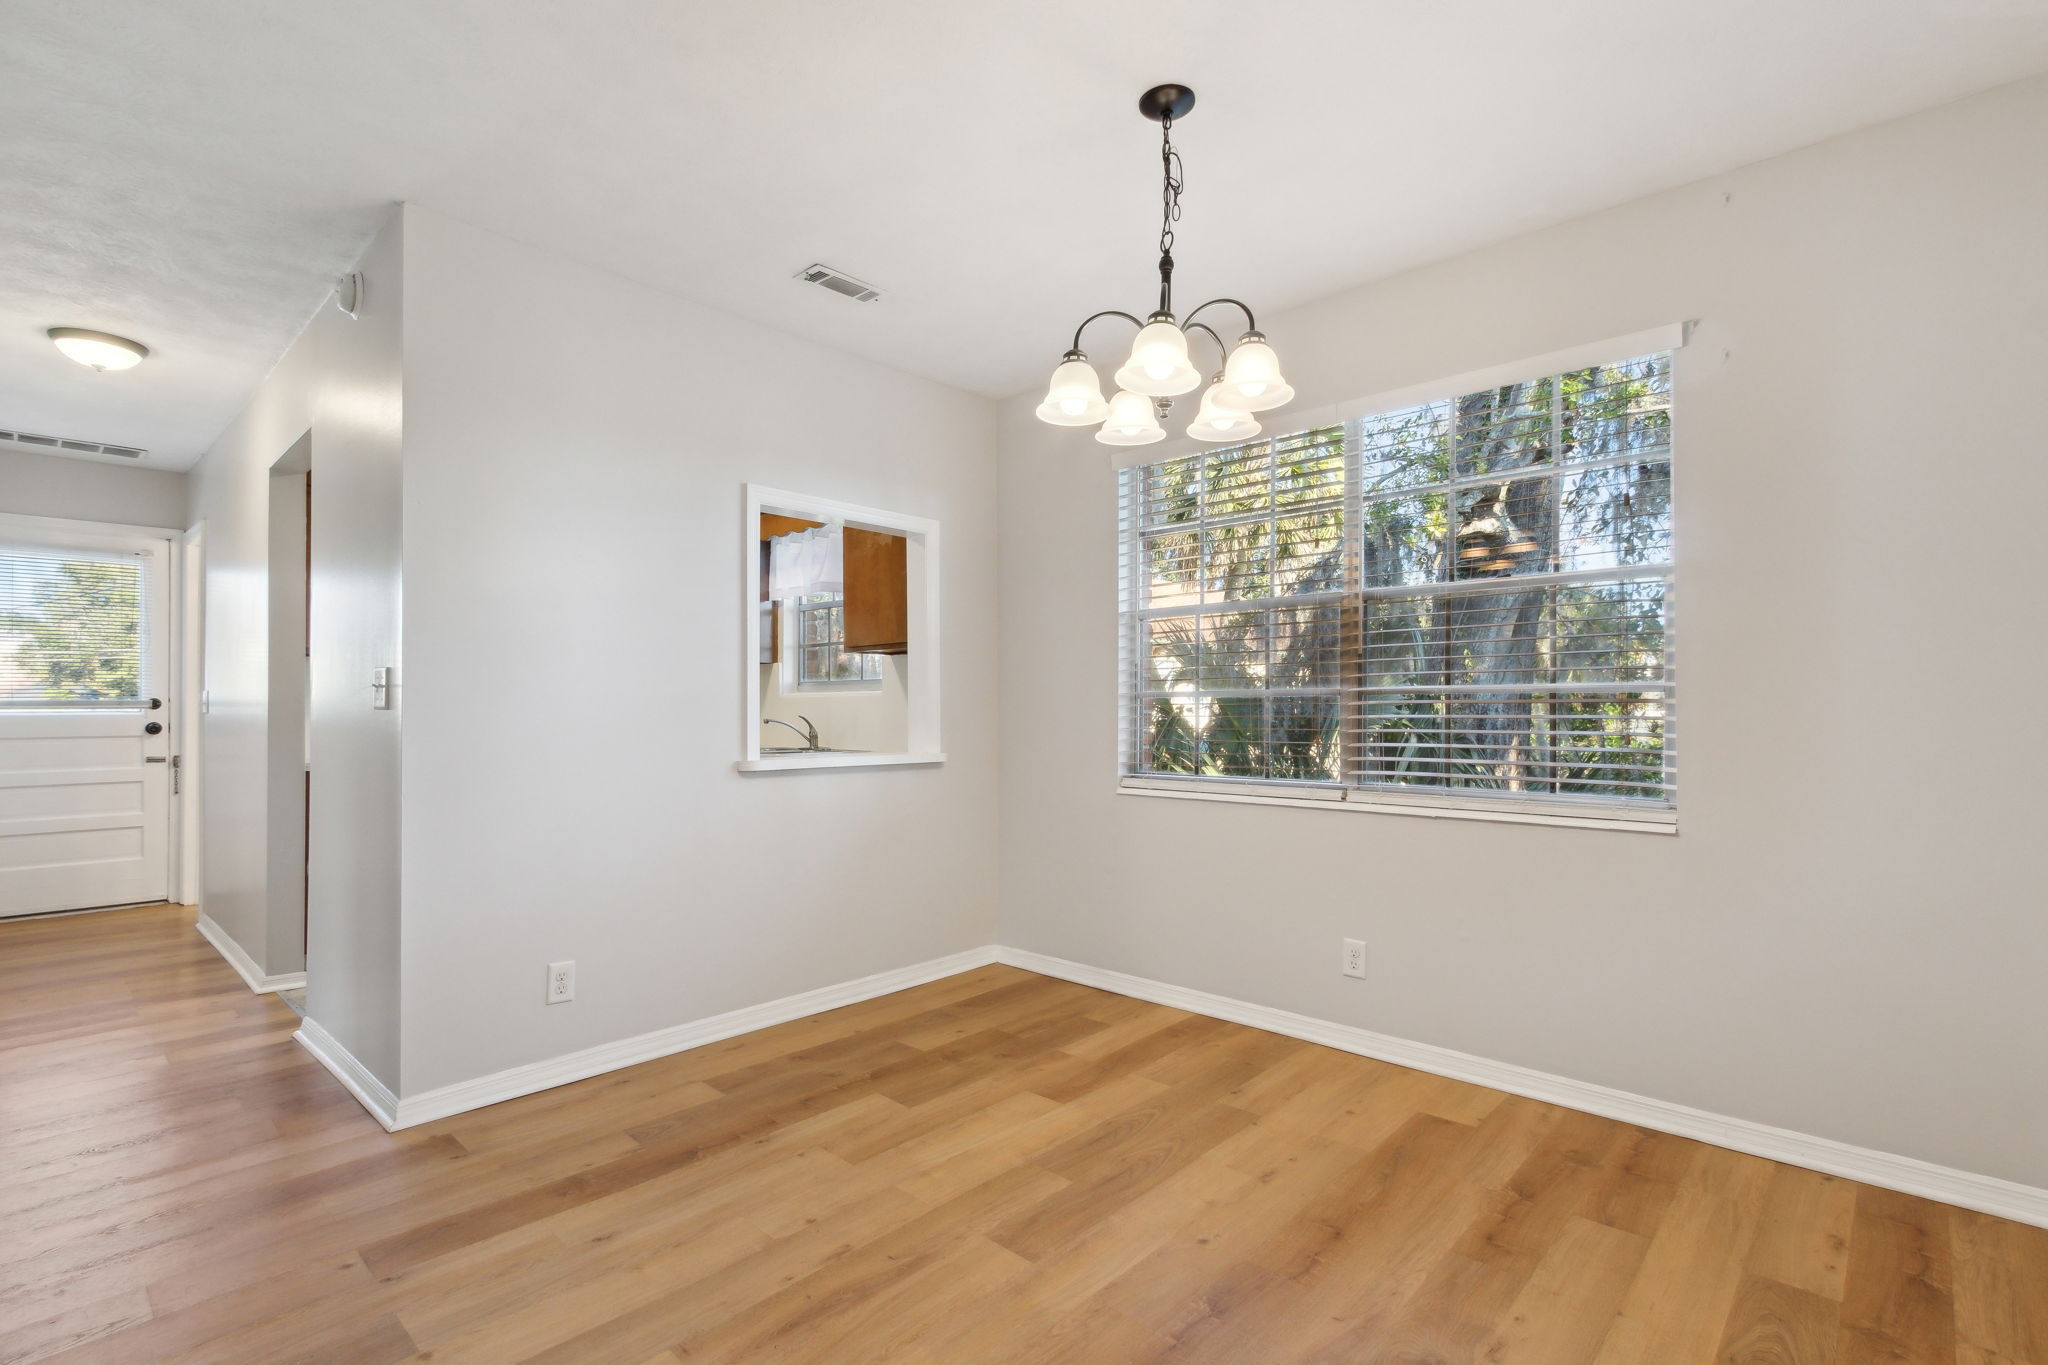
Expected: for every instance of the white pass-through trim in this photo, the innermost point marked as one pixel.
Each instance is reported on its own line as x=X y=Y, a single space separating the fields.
x=775 y=763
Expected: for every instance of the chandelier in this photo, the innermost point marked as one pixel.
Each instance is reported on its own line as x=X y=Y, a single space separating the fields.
x=1160 y=367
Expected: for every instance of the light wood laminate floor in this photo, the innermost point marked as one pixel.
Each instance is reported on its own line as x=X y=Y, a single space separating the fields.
x=997 y=1167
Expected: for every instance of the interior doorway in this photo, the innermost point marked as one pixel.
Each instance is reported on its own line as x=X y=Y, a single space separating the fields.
x=88 y=715
x=290 y=729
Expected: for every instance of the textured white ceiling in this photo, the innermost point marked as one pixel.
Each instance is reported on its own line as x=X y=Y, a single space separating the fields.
x=195 y=173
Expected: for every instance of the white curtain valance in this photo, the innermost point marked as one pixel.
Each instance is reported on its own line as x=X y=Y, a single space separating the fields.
x=808 y=563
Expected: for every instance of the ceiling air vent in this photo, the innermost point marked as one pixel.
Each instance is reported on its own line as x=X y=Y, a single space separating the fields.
x=825 y=277
x=65 y=445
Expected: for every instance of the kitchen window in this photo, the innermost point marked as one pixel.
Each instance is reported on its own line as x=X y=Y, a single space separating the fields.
x=1458 y=603
x=822 y=660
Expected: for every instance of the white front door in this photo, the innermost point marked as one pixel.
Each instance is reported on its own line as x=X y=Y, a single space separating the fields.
x=85 y=786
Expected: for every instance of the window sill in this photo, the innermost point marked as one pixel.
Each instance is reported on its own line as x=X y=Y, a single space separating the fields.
x=786 y=762
x=1668 y=824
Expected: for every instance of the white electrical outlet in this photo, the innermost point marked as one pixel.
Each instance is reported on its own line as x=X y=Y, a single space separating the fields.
x=1354 y=957
x=561 y=982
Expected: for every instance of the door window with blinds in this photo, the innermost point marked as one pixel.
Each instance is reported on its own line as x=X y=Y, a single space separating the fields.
x=1466 y=602
x=76 y=626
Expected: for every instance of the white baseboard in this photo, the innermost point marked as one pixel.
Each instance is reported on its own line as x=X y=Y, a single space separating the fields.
x=246 y=965
x=374 y=1095
x=464 y=1096
x=1986 y=1194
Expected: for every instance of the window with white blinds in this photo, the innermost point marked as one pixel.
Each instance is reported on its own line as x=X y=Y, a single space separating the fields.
x=74 y=626
x=1466 y=601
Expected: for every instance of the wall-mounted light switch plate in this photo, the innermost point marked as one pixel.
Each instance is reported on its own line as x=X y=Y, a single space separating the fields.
x=561 y=982
x=1354 y=958
x=380 y=689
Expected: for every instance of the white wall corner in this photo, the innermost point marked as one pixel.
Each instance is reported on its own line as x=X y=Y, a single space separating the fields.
x=372 y=1093
x=513 y=1082
x=245 y=965
x=1985 y=1194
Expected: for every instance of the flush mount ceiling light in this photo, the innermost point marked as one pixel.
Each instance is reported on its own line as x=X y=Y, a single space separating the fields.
x=98 y=350
x=1160 y=366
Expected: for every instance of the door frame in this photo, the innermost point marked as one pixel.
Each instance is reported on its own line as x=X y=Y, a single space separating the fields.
x=187 y=809
x=173 y=681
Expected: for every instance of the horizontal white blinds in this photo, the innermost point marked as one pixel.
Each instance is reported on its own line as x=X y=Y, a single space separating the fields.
x=1467 y=596
x=74 y=626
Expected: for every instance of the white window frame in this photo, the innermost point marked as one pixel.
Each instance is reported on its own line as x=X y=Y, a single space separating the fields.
x=1345 y=795
x=922 y=579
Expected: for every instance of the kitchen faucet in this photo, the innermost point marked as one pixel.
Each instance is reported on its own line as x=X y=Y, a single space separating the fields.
x=809 y=732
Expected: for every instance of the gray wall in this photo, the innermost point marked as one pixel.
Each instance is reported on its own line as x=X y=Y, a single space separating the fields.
x=576 y=447
x=341 y=381
x=86 y=490
x=1846 y=938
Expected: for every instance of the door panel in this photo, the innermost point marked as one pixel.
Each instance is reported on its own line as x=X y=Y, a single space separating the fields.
x=26 y=753
x=82 y=810
x=90 y=796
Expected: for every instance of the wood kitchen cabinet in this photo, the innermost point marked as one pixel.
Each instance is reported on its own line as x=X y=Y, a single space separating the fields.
x=774 y=524
x=877 y=616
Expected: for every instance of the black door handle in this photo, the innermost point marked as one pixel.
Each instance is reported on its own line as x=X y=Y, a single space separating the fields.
x=155 y=727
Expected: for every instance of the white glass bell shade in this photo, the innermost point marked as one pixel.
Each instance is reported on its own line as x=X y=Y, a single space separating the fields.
x=1131 y=422
x=98 y=350
x=1158 y=367
x=1216 y=421
x=1251 y=377
x=1074 y=398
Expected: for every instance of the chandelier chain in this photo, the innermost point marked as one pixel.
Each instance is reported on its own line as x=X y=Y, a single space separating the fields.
x=1171 y=181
